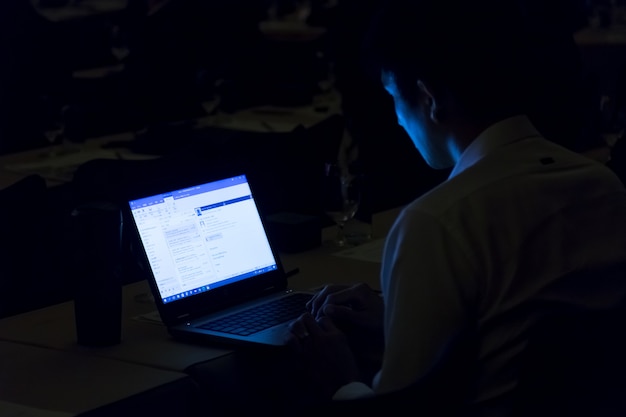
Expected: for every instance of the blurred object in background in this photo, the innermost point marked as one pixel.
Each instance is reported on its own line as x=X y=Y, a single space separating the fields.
x=29 y=72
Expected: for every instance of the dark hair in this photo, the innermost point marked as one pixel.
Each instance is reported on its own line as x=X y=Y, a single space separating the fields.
x=475 y=50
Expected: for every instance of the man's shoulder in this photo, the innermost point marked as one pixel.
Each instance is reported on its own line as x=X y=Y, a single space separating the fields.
x=530 y=170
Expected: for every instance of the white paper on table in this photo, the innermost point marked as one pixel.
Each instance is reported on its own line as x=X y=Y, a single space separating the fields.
x=370 y=252
x=152 y=317
x=8 y=409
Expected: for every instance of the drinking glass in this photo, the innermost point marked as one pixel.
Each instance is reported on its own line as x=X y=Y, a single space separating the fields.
x=340 y=197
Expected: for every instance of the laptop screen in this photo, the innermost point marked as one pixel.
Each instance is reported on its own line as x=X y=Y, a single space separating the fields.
x=203 y=237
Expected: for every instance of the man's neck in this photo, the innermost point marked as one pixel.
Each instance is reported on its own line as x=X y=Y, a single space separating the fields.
x=467 y=129
x=463 y=134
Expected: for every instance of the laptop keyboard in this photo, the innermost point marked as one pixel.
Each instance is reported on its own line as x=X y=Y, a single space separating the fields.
x=261 y=317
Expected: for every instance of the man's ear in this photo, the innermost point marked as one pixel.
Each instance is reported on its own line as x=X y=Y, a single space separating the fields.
x=431 y=104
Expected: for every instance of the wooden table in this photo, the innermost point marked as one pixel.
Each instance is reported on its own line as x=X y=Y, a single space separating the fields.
x=33 y=379
x=143 y=342
x=40 y=346
x=146 y=342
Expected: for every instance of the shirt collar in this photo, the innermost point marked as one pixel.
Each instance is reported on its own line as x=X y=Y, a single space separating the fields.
x=495 y=136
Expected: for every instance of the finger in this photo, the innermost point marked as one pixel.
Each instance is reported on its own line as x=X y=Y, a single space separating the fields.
x=346 y=297
x=314 y=305
x=316 y=291
x=326 y=324
x=344 y=300
x=310 y=304
x=298 y=327
x=312 y=327
x=339 y=313
x=330 y=294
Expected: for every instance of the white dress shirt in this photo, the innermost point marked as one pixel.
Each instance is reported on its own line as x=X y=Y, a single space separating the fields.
x=516 y=216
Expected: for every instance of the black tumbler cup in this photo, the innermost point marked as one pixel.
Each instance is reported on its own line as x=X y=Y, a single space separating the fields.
x=96 y=267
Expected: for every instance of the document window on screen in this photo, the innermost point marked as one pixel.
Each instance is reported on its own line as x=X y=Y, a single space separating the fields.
x=203 y=237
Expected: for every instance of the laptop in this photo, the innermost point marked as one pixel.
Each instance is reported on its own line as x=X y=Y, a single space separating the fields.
x=210 y=263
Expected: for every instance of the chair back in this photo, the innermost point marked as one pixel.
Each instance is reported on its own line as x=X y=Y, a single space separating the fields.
x=575 y=365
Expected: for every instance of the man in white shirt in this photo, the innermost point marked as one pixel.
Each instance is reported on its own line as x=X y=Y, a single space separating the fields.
x=517 y=229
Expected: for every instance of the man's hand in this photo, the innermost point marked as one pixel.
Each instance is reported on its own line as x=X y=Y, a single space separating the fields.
x=358 y=311
x=324 y=351
x=350 y=306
